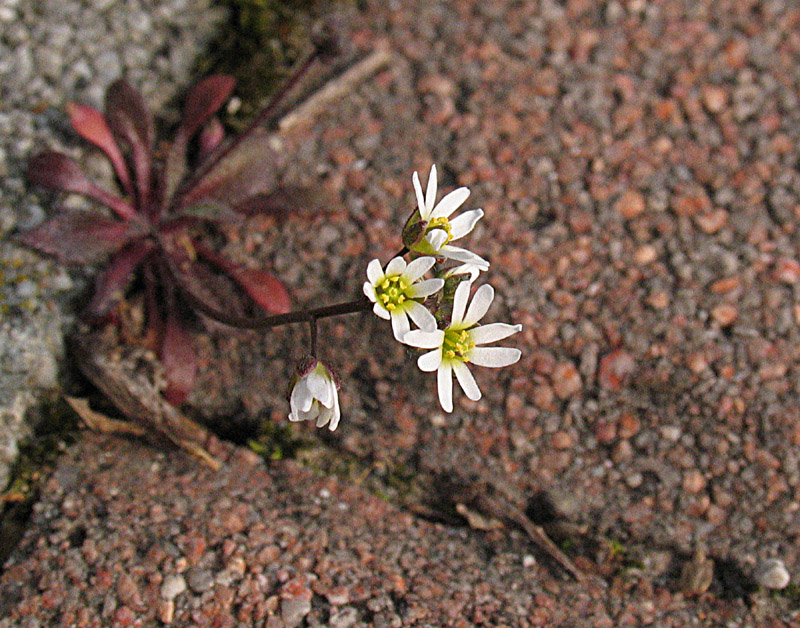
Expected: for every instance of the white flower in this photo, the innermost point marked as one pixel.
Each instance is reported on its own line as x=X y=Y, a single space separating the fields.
x=440 y=230
x=315 y=397
x=457 y=344
x=396 y=291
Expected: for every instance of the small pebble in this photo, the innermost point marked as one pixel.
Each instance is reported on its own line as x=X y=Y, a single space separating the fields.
x=630 y=204
x=725 y=314
x=173 y=586
x=343 y=618
x=199 y=580
x=772 y=574
x=293 y=611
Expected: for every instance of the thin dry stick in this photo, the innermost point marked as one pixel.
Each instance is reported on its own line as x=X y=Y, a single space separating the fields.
x=99 y=422
x=505 y=510
x=334 y=89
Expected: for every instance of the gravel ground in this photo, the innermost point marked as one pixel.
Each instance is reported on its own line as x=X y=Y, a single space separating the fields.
x=637 y=165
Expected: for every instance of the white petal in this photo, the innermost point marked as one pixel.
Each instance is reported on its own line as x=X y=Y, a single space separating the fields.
x=421 y=316
x=463 y=224
x=430 y=194
x=480 y=304
x=424 y=339
x=463 y=255
x=330 y=396
x=337 y=414
x=450 y=203
x=470 y=269
x=460 y=302
x=436 y=239
x=494 y=357
x=396 y=266
x=444 y=382
x=302 y=398
x=466 y=380
x=420 y=199
x=369 y=291
x=490 y=333
x=425 y=288
x=430 y=361
x=324 y=416
x=381 y=311
x=418 y=267
x=311 y=415
x=400 y=324
x=374 y=272
x=318 y=385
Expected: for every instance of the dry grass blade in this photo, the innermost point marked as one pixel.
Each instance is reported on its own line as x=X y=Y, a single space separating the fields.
x=334 y=89
x=99 y=422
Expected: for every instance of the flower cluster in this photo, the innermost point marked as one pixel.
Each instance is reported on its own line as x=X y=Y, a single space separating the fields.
x=447 y=326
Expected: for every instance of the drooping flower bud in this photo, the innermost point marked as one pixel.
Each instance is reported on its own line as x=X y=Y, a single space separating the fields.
x=314 y=395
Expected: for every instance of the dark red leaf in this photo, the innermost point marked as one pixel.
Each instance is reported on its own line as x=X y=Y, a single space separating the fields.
x=174 y=169
x=59 y=172
x=211 y=136
x=247 y=171
x=288 y=200
x=209 y=210
x=178 y=357
x=77 y=237
x=111 y=283
x=264 y=288
x=92 y=126
x=195 y=280
x=204 y=100
x=130 y=120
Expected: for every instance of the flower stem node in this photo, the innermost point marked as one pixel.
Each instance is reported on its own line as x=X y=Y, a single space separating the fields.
x=314 y=395
x=398 y=292
x=458 y=343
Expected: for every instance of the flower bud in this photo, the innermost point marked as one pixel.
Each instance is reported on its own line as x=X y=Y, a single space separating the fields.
x=414 y=231
x=314 y=395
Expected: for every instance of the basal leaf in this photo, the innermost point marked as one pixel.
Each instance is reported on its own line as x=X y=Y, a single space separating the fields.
x=264 y=288
x=288 y=200
x=211 y=211
x=111 y=283
x=195 y=280
x=204 y=100
x=59 y=172
x=211 y=136
x=247 y=171
x=130 y=120
x=174 y=169
x=75 y=237
x=178 y=358
x=92 y=126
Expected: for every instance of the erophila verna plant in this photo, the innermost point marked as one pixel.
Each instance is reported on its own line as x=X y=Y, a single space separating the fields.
x=170 y=201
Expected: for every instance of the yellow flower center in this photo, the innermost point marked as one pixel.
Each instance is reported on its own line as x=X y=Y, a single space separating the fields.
x=391 y=292
x=457 y=345
x=440 y=223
